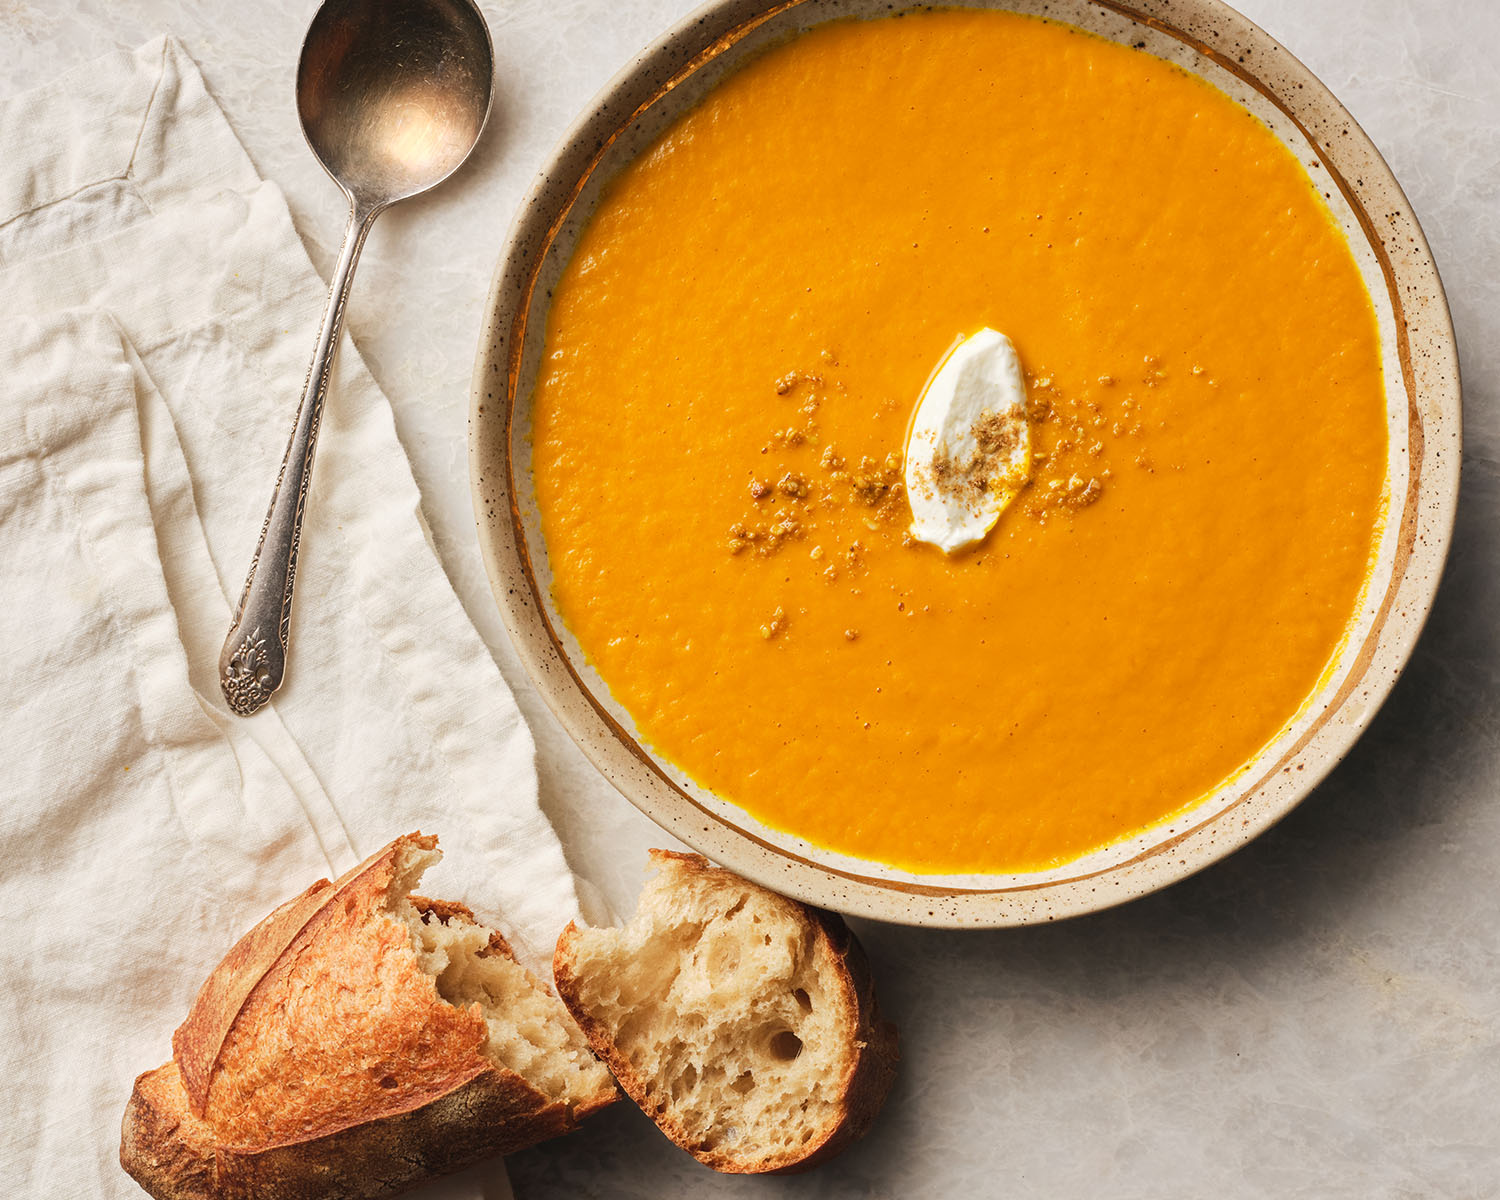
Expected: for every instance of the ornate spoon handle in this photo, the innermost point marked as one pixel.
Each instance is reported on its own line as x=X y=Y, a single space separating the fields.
x=253 y=660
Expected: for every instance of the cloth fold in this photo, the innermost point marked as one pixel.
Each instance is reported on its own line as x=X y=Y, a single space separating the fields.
x=145 y=397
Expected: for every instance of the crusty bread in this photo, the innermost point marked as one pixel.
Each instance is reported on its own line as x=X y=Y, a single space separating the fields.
x=743 y=1023
x=355 y=1042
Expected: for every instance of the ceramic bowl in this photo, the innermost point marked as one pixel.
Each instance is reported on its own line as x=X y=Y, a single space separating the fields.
x=1421 y=367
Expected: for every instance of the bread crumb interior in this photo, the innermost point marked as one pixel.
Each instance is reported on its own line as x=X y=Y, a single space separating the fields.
x=530 y=1030
x=713 y=995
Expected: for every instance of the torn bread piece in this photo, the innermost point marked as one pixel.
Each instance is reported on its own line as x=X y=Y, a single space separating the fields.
x=743 y=1023
x=356 y=1042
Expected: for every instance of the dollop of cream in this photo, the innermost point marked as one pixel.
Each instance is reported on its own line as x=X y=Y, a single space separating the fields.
x=969 y=450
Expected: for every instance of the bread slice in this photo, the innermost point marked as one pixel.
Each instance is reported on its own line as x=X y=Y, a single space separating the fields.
x=743 y=1023
x=355 y=1042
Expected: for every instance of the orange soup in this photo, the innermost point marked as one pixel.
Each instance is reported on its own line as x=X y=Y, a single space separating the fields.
x=739 y=341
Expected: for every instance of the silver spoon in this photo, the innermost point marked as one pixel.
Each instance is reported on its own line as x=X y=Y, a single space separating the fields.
x=392 y=95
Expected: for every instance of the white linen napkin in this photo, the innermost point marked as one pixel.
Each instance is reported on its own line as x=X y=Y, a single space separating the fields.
x=160 y=313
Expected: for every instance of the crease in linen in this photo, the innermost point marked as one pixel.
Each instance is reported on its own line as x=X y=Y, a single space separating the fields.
x=162 y=309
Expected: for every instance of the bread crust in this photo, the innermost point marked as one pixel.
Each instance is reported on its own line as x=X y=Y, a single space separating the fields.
x=870 y=1068
x=319 y=1062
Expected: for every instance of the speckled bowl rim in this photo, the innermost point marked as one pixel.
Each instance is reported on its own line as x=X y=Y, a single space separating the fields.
x=1429 y=375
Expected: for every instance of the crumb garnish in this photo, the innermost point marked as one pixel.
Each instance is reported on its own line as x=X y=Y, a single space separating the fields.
x=1082 y=435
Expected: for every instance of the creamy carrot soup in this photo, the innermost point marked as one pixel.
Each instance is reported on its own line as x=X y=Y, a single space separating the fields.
x=738 y=344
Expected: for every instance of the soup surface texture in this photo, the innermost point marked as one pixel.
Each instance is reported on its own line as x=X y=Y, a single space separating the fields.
x=736 y=347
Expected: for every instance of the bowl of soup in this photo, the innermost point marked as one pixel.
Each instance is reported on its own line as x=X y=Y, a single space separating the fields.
x=708 y=335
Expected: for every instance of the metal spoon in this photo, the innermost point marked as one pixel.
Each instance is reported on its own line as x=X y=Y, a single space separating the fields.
x=393 y=95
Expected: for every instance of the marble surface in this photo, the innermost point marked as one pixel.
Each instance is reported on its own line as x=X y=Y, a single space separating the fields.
x=1317 y=1016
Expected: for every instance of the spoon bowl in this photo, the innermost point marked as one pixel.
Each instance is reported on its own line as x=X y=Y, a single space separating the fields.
x=393 y=95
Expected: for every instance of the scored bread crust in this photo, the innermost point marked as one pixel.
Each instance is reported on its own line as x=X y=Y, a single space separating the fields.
x=869 y=1067
x=319 y=1061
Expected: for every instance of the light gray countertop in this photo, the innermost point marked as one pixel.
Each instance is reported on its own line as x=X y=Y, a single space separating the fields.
x=1318 y=1015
